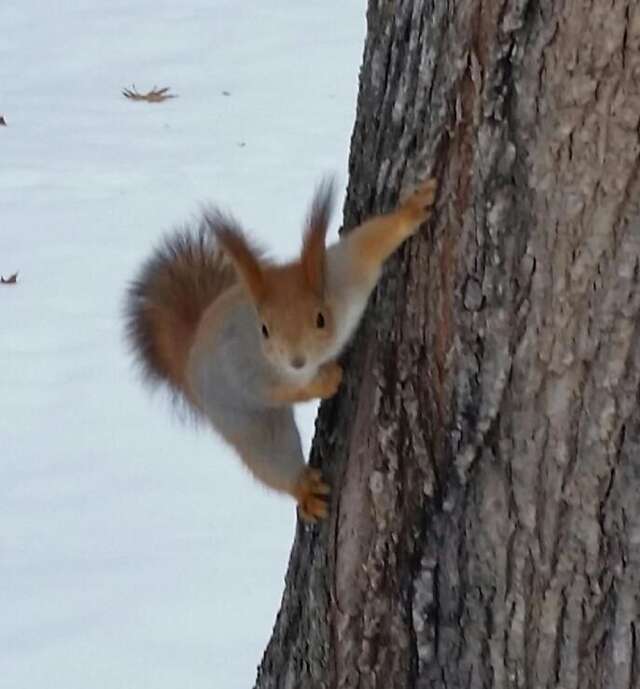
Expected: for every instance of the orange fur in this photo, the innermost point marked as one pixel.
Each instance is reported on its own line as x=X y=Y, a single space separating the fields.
x=166 y=301
x=246 y=258
x=289 y=310
x=376 y=239
x=312 y=257
x=324 y=385
x=312 y=492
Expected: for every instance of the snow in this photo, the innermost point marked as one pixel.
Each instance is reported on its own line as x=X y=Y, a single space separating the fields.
x=134 y=549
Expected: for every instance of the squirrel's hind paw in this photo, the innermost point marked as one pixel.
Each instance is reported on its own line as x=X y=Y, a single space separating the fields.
x=312 y=493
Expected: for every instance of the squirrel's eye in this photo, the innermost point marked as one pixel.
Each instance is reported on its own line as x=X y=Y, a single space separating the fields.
x=320 y=321
x=265 y=331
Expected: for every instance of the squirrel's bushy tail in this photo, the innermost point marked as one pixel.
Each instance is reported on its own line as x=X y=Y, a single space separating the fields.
x=165 y=302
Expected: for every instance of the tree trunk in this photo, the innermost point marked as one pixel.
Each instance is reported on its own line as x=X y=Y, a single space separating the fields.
x=484 y=451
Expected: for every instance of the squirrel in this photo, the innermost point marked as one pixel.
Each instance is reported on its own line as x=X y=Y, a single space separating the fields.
x=241 y=338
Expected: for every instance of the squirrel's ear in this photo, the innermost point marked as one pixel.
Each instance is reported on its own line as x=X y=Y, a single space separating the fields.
x=245 y=257
x=313 y=246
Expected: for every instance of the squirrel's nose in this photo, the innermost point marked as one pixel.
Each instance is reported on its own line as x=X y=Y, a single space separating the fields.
x=298 y=361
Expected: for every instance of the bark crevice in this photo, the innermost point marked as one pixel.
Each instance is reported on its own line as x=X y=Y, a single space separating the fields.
x=485 y=448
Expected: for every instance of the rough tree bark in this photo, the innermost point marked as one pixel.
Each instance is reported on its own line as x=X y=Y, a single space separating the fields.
x=485 y=448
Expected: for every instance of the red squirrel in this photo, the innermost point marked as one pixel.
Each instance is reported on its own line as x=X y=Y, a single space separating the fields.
x=241 y=338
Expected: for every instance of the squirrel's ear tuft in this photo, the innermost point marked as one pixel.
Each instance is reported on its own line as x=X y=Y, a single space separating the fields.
x=313 y=246
x=245 y=257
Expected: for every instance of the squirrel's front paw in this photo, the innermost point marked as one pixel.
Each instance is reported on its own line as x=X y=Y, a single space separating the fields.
x=420 y=202
x=312 y=492
x=329 y=379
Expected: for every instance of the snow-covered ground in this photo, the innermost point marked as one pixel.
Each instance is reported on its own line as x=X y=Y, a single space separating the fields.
x=134 y=551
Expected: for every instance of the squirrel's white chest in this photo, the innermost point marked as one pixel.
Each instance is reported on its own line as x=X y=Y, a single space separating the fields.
x=347 y=315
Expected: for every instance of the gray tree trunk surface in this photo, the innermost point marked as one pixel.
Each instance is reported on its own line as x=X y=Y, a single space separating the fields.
x=484 y=451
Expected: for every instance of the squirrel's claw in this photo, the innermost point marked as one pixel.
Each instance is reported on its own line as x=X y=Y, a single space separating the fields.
x=420 y=202
x=311 y=493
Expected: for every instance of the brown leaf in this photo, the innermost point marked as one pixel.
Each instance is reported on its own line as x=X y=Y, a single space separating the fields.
x=156 y=95
x=11 y=280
